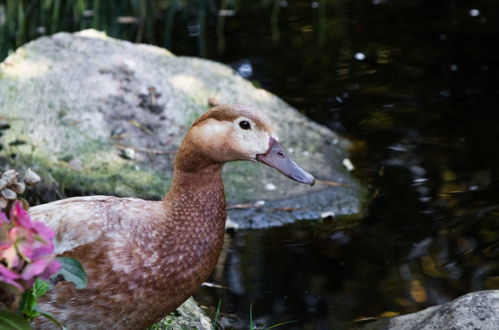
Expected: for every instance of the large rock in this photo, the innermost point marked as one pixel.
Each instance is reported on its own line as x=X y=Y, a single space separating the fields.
x=82 y=110
x=476 y=310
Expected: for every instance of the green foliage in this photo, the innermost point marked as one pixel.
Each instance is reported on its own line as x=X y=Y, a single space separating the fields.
x=28 y=306
x=214 y=323
x=12 y=321
x=72 y=271
x=40 y=288
x=135 y=20
x=251 y=326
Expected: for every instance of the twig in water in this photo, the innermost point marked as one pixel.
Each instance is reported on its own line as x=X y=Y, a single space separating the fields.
x=146 y=150
x=135 y=123
x=330 y=183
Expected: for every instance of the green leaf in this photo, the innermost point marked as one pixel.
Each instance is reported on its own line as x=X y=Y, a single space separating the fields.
x=40 y=288
x=72 y=271
x=28 y=305
x=12 y=321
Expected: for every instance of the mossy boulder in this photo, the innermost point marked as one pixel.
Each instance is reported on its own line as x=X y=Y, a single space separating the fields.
x=96 y=115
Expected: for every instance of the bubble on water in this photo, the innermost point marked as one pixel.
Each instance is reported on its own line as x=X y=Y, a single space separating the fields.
x=474 y=12
x=359 y=56
x=245 y=70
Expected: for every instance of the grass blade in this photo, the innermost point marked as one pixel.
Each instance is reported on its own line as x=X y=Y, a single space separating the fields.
x=217 y=315
x=281 y=323
x=251 y=325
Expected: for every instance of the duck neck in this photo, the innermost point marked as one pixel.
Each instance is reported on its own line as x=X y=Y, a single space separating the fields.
x=198 y=197
x=202 y=181
x=196 y=175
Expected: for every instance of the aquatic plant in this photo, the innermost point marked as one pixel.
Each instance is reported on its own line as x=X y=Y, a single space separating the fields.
x=139 y=21
x=156 y=22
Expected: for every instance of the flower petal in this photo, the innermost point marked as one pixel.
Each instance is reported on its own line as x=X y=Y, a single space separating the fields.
x=43 y=230
x=20 y=216
x=3 y=218
x=35 y=268
x=7 y=273
x=9 y=277
x=9 y=254
x=51 y=269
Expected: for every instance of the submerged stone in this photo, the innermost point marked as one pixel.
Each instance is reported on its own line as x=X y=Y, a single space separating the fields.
x=103 y=116
x=476 y=310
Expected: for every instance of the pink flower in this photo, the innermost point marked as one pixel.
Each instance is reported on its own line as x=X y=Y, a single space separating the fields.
x=9 y=277
x=3 y=219
x=21 y=217
x=26 y=249
x=9 y=254
x=43 y=267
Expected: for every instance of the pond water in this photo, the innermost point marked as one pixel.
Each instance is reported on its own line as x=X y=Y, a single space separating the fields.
x=415 y=85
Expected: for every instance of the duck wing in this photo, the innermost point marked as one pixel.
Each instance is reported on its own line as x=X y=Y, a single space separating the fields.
x=76 y=221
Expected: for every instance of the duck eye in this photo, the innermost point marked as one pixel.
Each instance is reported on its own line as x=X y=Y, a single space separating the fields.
x=244 y=124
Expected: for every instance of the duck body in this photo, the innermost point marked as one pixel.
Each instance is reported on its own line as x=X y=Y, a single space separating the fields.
x=145 y=258
x=143 y=255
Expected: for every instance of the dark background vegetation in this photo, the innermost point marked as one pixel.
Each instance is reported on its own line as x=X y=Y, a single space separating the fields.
x=413 y=83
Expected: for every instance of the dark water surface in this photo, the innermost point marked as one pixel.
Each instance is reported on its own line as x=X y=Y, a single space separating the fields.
x=415 y=84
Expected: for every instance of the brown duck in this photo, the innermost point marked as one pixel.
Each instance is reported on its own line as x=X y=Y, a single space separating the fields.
x=145 y=258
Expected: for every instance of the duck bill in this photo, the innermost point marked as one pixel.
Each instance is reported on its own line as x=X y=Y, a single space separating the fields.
x=276 y=158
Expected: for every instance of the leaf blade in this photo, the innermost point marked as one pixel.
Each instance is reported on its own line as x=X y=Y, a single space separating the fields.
x=12 y=321
x=280 y=324
x=72 y=271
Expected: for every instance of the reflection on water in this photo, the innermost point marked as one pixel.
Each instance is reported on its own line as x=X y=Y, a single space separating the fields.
x=415 y=84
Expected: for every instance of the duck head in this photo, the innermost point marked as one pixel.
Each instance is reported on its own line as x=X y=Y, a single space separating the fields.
x=232 y=132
